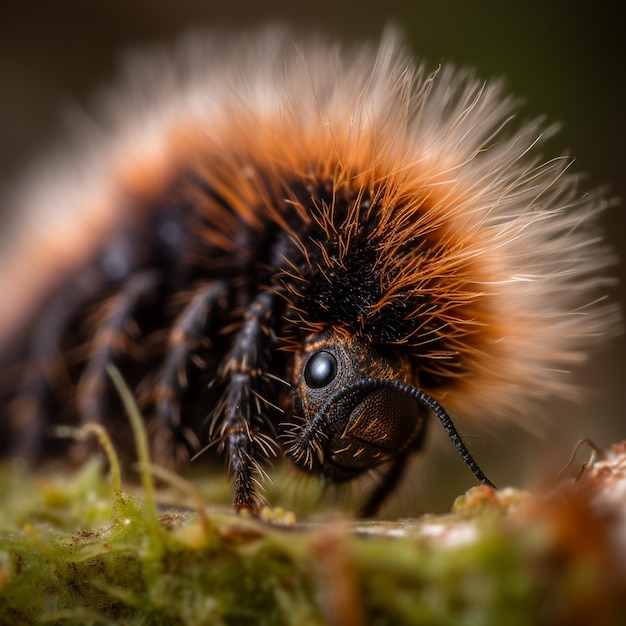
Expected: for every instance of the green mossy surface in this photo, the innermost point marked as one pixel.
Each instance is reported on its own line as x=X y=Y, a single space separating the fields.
x=74 y=552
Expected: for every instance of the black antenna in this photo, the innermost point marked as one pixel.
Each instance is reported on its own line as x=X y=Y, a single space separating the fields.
x=366 y=384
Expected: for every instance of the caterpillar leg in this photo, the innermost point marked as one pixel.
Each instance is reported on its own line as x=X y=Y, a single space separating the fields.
x=241 y=414
x=388 y=483
x=43 y=372
x=113 y=340
x=189 y=334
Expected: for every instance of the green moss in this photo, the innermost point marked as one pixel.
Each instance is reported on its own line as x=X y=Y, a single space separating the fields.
x=72 y=552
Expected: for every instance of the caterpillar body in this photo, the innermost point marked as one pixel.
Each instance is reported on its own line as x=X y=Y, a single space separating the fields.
x=298 y=250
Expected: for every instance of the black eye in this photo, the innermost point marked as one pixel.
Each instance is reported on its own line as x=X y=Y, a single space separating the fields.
x=320 y=369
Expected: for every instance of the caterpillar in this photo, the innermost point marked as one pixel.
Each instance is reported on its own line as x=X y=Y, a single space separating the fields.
x=300 y=250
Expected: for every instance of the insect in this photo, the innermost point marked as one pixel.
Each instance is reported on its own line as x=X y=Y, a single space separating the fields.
x=299 y=250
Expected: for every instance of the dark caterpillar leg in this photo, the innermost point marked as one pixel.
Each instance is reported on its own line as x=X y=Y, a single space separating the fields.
x=45 y=369
x=388 y=483
x=241 y=417
x=113 y=339
x=190 y=332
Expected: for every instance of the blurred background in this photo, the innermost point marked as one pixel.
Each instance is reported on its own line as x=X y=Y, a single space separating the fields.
x=565 y=59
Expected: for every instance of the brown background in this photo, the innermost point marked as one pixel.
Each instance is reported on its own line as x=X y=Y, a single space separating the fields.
x=565 y=58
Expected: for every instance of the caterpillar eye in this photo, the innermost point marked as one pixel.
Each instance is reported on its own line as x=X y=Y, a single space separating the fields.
x=320 y=370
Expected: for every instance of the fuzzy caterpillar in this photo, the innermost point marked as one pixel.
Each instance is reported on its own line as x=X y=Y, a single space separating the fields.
x=256 y=227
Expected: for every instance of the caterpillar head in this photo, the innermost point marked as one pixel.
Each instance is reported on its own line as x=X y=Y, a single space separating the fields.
x=350 y=426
